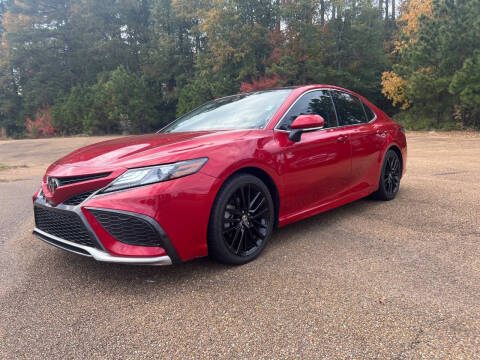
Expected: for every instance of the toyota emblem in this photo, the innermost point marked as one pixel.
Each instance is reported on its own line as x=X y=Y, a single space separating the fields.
x=53 y=184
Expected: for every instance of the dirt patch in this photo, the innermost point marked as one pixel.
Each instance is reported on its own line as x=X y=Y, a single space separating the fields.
x=4 y=167
x=25 y=159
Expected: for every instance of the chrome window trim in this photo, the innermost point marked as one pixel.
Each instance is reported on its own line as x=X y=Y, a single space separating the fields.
x=334 y=107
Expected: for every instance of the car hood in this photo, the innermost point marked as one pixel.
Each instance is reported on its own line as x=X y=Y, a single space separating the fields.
x=146 y=150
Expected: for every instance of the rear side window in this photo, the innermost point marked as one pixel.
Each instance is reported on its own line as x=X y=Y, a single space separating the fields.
x=370 y=114
x=349 y=109
x=316 y=102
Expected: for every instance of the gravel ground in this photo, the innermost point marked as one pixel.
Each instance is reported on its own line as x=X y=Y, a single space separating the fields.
x=396 y=280
x=15 y=214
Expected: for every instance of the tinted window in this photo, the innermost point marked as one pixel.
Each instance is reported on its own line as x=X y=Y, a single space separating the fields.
x=243 y=111
x=349 y=109
x=369 y=112
x=315 y=102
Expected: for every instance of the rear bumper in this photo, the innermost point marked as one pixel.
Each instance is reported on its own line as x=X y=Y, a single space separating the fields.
x=99 y=255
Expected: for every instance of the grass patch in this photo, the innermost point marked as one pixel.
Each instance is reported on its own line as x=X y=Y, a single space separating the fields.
x=6 y=167
x=420 y=122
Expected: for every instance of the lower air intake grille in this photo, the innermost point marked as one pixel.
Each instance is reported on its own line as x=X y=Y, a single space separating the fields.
x=79 y=198
x=128 y=229
x=67 y=226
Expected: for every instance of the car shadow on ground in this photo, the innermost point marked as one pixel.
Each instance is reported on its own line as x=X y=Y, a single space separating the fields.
x=70 y=265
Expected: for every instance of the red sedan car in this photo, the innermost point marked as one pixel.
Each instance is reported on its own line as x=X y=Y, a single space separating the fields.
x=221 y=178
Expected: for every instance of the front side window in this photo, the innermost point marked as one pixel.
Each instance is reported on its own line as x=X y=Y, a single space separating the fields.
x=318 y=102
x=349 y=109
x=243 y=111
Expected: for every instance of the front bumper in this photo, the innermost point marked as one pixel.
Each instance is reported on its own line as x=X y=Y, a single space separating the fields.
x=90 y=244
x=178 y=211
x=98 y=254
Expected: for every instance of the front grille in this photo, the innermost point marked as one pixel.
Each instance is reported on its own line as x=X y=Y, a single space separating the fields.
x=128 y=229
x=65 y=225
x=76 y=179
x=79 y=198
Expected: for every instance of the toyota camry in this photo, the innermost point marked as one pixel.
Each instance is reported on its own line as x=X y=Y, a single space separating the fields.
x=218 y=180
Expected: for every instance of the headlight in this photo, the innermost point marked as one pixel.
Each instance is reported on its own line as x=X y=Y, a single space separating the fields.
x=150 y=175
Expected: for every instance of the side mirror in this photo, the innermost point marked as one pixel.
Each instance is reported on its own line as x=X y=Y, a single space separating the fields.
x=304 y=123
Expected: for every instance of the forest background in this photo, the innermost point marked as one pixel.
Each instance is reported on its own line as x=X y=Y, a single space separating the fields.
x=130 y=66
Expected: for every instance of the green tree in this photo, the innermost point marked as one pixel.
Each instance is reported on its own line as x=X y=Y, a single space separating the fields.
x=436 y=50
x=70 y=114
x=466 y=85
x=120 y=102
x=133 y=65
x=346 y=49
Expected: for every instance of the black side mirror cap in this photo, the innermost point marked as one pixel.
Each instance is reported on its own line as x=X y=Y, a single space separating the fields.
x=295 y=135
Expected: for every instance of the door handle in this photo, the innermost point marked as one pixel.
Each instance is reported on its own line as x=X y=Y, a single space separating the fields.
x=381 y=132
x=342 y=138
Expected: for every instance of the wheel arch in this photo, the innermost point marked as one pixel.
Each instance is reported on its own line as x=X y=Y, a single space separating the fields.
x=267 y=180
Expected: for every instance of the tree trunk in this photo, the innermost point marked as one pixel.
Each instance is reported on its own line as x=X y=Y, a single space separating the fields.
x=322 y=12
x=278 y=20
x=393 y=9
x=380 y=6
x=386 y=10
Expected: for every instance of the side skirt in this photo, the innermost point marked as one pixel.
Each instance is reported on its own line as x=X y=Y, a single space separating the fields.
x=318 y=209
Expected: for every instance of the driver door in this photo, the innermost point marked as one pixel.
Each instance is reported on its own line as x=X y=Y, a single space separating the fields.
x=316 y=169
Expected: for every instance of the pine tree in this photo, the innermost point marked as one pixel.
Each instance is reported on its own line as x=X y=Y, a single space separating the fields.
x=77 y=57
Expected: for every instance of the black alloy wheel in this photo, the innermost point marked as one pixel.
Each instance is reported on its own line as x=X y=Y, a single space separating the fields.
x=242 y=220
x=390 y=177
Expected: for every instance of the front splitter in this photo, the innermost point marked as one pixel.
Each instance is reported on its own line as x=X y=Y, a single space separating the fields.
x=99 y=255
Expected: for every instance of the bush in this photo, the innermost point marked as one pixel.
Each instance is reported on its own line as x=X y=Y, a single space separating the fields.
x=412 y=121
x=42 y=125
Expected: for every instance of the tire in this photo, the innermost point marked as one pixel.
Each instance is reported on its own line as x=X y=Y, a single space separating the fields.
x=390 y=175
x=241 y=221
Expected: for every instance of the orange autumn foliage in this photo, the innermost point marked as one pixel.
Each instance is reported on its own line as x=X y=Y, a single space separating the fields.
x=262 y=83
x=394 y=88
x=412 y=11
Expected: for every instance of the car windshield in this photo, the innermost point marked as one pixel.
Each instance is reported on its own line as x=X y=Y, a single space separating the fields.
x=243 y=111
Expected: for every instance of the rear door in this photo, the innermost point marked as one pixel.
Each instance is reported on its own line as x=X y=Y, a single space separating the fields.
x=365 y=139
x=318 y=167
